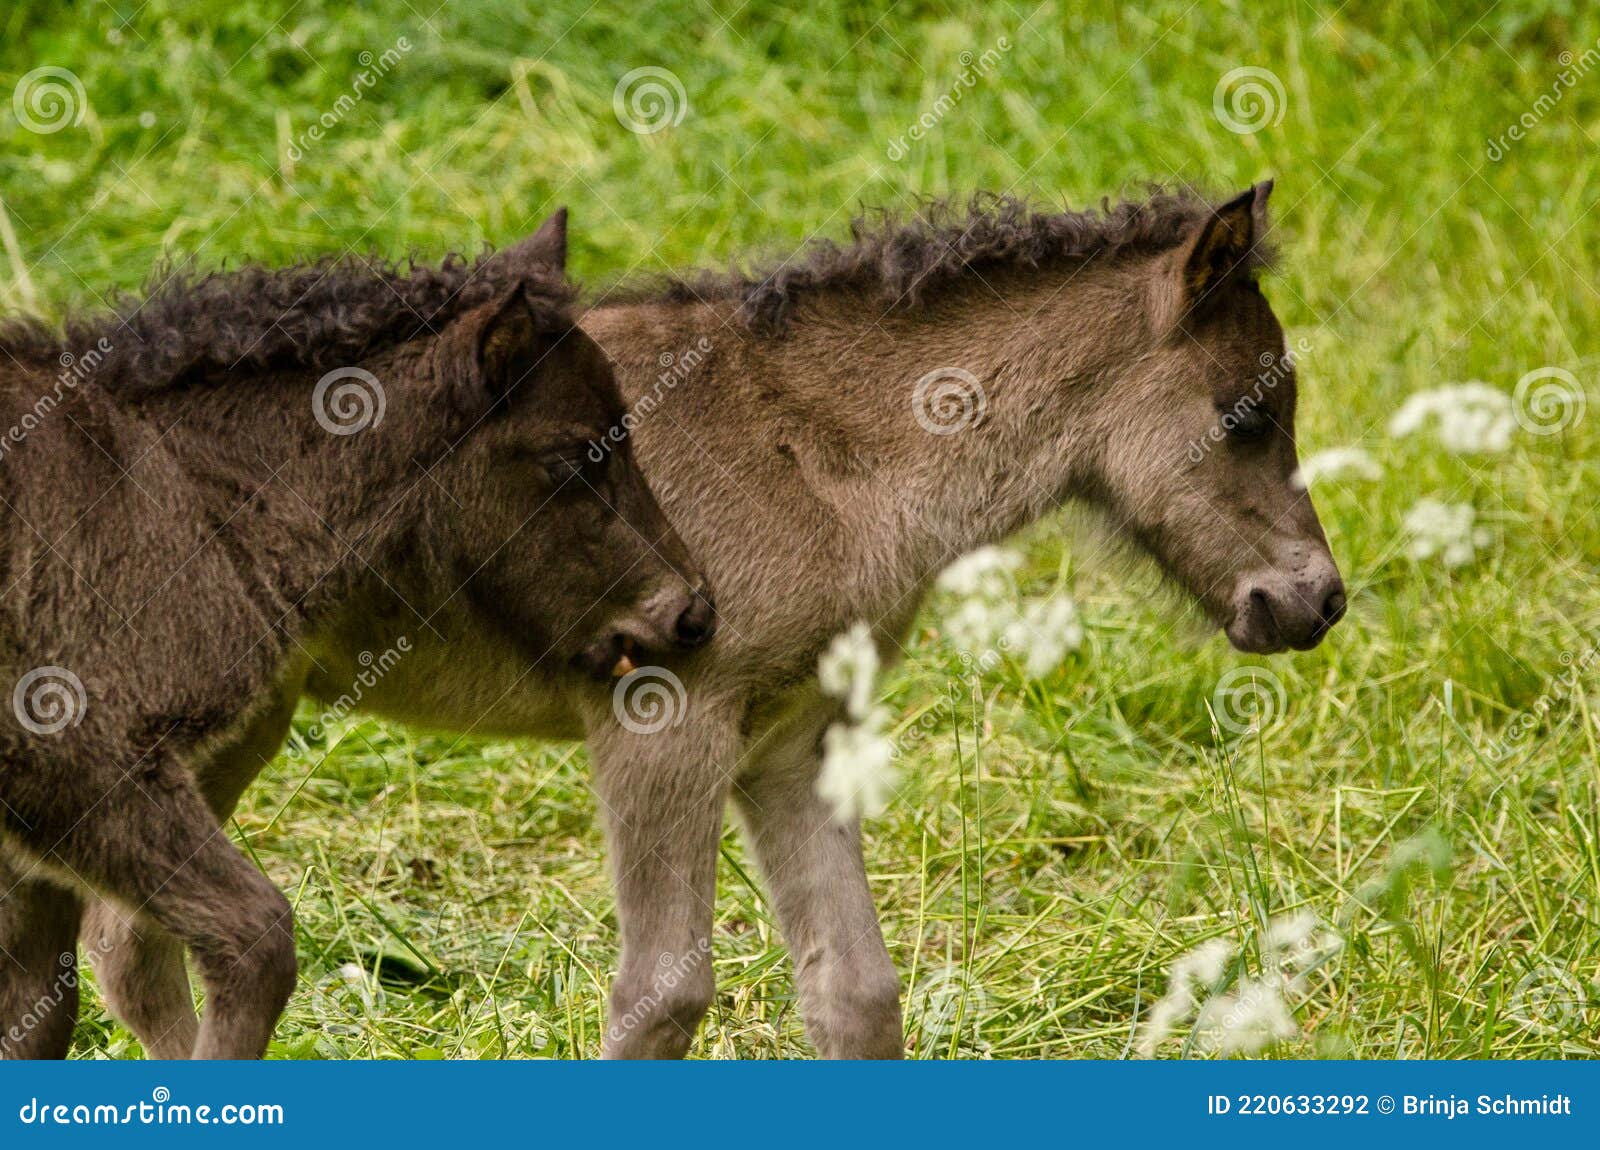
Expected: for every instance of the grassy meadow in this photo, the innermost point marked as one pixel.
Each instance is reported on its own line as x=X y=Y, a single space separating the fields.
x=1425 y=785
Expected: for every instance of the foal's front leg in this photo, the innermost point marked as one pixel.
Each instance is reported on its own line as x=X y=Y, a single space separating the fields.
x=661 y=797
x=849 y=990
x=138 y=965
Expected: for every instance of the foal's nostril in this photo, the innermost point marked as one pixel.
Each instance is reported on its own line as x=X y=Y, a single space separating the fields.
x=698 y=622
x=1333 y=608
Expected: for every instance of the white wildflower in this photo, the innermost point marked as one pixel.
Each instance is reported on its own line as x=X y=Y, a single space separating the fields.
x=1202 y=966
x=1043 y=634
x=991 y=615
x=987 y=572
x=848 y=670
x=1255 y=1013
x=1471 y=418
x=857 y=777
x=857 y=774
x=977 y=624
x=1247 y=1021
x=1448 y=530
x=1288 y=933
x=1337 y=462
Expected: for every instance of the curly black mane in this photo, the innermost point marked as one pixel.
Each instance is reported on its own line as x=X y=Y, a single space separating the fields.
x=903 y=260
x=328 y=313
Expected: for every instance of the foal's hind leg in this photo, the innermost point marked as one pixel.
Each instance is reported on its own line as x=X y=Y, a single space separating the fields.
x=38 y=964
x=138 y=966
x=849 y=991
x=151 y=844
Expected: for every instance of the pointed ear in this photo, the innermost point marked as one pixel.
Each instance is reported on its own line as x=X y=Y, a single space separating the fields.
x=546 y=247
x=483 y=354
x=1221 y=245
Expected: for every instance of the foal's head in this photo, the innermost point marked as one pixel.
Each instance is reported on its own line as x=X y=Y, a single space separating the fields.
x=1199 y=461
x=568 y=552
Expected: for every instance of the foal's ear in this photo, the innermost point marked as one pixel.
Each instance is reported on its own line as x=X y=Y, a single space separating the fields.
x=485 y=353
x=546 y=247
x=1222 y=244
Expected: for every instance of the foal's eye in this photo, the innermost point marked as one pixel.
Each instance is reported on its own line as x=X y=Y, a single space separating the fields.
x=580 y=463
x=1245 y=422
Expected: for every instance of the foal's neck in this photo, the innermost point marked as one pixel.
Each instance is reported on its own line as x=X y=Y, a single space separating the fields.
x=975 y=412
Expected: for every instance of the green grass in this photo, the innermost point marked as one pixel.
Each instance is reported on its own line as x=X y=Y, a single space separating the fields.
x=1059 y=842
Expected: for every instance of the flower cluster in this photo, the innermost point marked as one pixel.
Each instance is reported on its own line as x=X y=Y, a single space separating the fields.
x=1472 y=418
x=1448 y=530
x=857 y=776
x=991 y=615
x=1245 y=1014
x=1336 y=463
